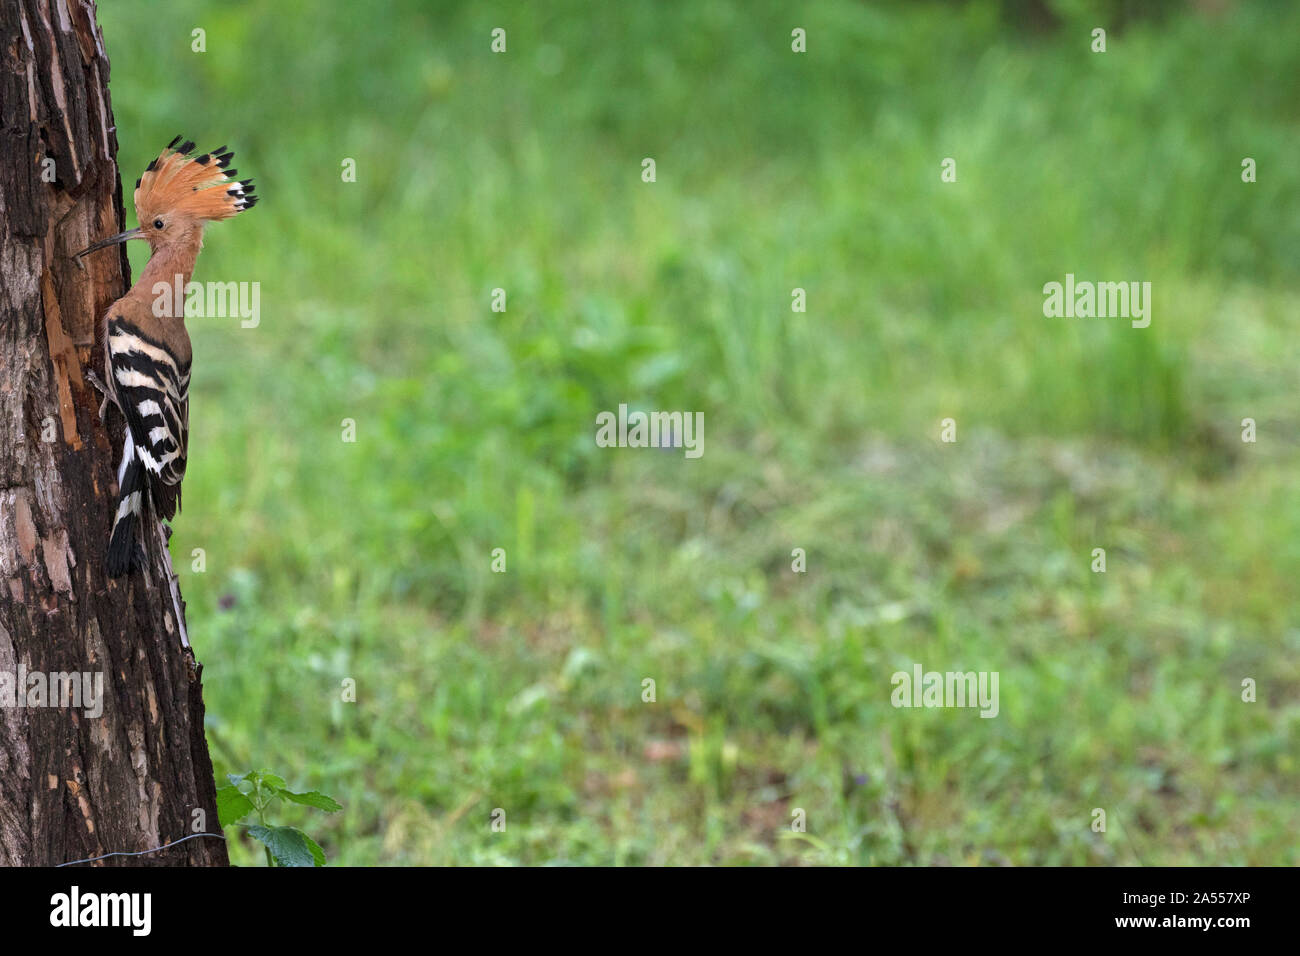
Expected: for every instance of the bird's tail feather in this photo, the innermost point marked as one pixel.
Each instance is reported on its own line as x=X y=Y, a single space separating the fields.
x=124 y=553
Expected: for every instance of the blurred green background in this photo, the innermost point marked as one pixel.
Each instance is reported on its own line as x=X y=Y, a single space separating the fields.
x=328 y=560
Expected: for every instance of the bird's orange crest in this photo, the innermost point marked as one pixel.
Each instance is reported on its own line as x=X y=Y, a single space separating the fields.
x=202 y=186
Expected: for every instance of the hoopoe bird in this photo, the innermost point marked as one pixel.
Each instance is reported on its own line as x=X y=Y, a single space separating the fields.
x=146 y=348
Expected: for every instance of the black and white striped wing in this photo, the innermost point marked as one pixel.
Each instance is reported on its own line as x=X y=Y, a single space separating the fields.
x=153 y=390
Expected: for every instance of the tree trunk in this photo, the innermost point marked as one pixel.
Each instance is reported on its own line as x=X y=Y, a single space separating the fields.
x=75 y=783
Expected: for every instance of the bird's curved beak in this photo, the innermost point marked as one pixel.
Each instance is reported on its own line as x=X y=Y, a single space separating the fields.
x=110 y=241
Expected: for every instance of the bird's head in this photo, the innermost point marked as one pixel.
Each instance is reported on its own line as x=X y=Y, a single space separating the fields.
x=178 y=195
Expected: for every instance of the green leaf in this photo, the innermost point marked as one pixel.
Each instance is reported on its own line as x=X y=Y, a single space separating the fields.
x=289 y=845
x=317 y=853
x=271 y=782
x=232 y=805
x=313 y=798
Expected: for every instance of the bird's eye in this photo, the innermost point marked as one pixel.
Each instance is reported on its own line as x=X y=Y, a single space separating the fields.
x=157 y=223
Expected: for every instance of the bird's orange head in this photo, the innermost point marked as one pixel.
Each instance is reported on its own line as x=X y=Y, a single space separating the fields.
x=178 y=195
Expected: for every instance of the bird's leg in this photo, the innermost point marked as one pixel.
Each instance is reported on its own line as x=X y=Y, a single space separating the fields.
x=94 y=379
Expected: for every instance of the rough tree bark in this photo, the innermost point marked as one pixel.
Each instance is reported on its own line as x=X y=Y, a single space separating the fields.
x=74 y=785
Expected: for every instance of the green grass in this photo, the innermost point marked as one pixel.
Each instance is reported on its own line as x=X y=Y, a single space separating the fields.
x=475 y=430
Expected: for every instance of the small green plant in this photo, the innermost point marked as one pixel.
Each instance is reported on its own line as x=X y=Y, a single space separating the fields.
x=254 y=792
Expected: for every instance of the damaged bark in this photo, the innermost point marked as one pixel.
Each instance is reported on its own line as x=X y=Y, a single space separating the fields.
x=81 y=775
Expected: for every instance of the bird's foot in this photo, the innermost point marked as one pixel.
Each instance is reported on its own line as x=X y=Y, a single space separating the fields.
x=96 y=381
